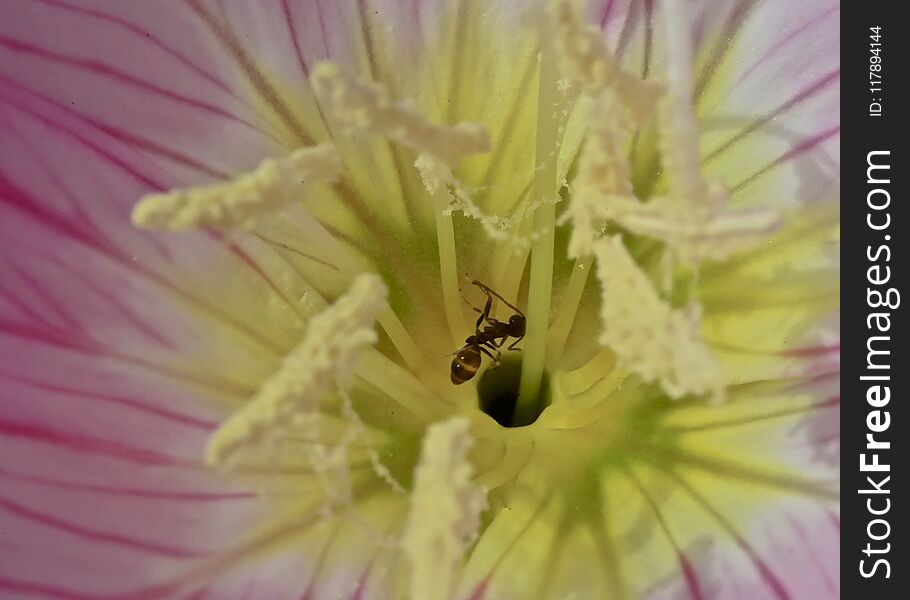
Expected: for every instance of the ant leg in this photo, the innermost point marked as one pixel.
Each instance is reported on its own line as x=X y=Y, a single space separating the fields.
x=512 y=345
x=490 y=292
x=484 y=314
x=496 y=362
x=468 y=302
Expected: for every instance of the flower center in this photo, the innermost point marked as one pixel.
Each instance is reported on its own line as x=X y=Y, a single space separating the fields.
x=497 y=394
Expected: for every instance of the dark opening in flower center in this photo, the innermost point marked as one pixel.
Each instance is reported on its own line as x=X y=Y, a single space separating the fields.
x=497 y=393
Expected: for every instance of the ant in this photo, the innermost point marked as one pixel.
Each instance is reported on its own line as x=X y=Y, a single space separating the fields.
x=494 y=334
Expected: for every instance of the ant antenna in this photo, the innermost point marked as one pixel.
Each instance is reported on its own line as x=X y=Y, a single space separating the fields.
x=487 y=290
x=468 y=302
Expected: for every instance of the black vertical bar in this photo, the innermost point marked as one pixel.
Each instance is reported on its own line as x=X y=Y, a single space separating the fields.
x=874 y=221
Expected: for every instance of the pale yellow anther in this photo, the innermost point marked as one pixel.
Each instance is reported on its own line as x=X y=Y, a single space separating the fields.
x=367 y=106
x=238 y=203
x=322 y=362
x=437 y=178
x=444 y=517
x=603 y=172
x=680 y=153
x=588 y=64
x=436 y=175
x=694 y=235
x=649 y=337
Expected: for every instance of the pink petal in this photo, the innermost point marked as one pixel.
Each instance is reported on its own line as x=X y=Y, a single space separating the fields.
x=84 y=58
x=101 y=418
x=777 y=110
x=789 y=552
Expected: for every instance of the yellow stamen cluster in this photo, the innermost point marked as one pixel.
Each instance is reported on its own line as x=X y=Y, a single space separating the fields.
x=323 y=361
x=367 y=106
x=239 y=203
x=445 y=510
x=649 y=337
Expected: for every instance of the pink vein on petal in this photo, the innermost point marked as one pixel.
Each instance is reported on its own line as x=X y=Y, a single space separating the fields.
x=322 y=27
x=23 y=307
x=92 y=535
x=819 y=350
x=809 y=143
x=121 y=135
x=51 y=337
x=102 y=69
x=361 y=584
x=152 y=409
x=605 y=15
x=89 y=445
x=199 y=594
x=685 y=566
x=783 y=42
x=806 y=542
x=131 y=317
x=628 y=25
x=480 y=592
x=767 y=575
x=127 y=138
x=20 y=200
x=143 y=35
x=804 y=94
x=294 y=39
x=144 y=494
x=40 y=292
x=96 y=148
x=799 y=149
x=40 y=589
x=79 y=216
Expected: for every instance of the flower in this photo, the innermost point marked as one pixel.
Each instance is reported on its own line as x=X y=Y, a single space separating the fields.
x=248 y=394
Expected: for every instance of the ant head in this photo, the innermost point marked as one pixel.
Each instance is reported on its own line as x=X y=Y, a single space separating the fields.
x=517 y=325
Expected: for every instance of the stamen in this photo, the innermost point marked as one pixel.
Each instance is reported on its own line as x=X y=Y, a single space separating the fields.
x=680 y=154
x=568 y=307
x=347 y=264
x=648 y=337
x=367 y=106
x=440 y=182
x=587 y=63
x=540 y=283
x=603 y=173
x=692 y=235
x=692 y=220
x=325 y=359
x=238 y=203
x=446 y=503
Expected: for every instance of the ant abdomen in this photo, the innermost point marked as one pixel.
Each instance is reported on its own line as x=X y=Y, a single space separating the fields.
x=465 y=364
